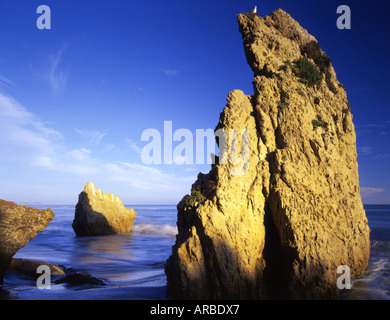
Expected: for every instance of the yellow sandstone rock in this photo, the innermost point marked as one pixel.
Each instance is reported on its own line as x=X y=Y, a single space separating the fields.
x=281 y=229
x=18 y=225
x=98 y=213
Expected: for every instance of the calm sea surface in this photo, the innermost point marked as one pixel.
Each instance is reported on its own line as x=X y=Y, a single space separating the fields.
x=132 y=264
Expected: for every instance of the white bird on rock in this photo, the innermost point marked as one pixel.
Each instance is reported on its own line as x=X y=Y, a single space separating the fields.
x=254 y=10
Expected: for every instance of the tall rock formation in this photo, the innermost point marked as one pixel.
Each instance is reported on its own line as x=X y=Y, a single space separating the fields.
x=281 y=227
x=98 y=213
x=18 y=225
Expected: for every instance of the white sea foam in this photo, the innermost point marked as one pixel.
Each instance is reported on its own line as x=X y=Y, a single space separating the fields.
x=165 y=230
x=375 y=283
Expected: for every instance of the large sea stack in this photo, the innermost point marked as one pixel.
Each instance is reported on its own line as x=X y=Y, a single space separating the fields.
x=281 y=227
x=98 y=213
x=18 y=225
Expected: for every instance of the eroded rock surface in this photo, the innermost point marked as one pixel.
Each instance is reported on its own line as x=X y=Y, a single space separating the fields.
x=29 y=267
x=282 y=227
x=98 y=213
x=18 y=225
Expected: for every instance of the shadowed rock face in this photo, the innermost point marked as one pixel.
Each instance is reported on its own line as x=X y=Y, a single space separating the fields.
x=18 y=225
x=98 y=213
x=280 y=229
x=29 y=267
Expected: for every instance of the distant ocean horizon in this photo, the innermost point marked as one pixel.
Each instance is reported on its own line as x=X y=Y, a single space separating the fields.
x=129 y=205
x=132 y=265
x=44 y=206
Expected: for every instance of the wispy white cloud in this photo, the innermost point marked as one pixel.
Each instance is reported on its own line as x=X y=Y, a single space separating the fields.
x=56 y=77
x=27 y=141
x=382 y=156
x=170 y=72
x=133 y=145
x=147 y=178
x=365 y=150
x=93 y=137
x=23 y=136
x=380 y=129
x=366 y=192
x=81 y=154
x=109 y=147
x=5 y=82
x=29 y=144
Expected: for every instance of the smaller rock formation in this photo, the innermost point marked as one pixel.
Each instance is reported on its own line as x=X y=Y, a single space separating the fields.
x=18 y=225
x=98 y=213
x=29 y=267
x=80 y=278
x=61 y=274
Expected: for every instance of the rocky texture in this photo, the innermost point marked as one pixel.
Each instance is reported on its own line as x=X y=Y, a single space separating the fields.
x=59 y=273
x=98 y=213
x=80 y=278
x=18 y=225
x=29 y=267
x=282 y=227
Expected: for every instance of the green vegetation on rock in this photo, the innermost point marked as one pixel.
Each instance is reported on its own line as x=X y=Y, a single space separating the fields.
x=319 y=123
x=195 y=197
x=307 y=72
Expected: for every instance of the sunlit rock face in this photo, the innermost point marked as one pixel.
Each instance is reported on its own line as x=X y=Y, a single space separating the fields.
x=281 y=228
x=18 y=225
x=98 y=213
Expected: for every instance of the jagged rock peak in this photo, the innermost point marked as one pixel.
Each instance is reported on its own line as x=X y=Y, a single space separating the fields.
x=282 y=227
x=98 y=213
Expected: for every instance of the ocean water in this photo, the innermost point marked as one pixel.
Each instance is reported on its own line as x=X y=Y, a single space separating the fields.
x=375 y=283
x=132 y=265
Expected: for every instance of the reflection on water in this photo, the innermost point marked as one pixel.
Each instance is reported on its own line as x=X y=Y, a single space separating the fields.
x=101 y=249
x=133 y=257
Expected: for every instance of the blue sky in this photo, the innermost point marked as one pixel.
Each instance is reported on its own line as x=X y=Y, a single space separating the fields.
x=75 y=99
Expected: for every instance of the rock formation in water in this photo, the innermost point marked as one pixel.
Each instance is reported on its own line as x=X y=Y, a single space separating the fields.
x=79 y=279
x=18 y=225
x=98 y=213
x=281 y=226
x=29 y=267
